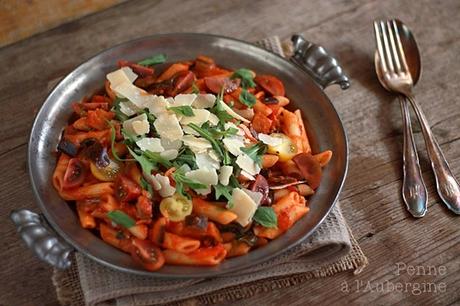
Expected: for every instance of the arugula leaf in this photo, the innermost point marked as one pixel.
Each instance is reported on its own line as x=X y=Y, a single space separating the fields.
x=195 y=88
x=119 y=115
x=247 y=98
x=121 y=218
x=255 y=151
x=154 y=60
x=184 y=110
x=209 y=137
x=220 y=112
x=156 y=158
x=146 y=165
x=146 y=186
x=186 y=156
x=182 y=181
x=228 y=132
x=266 y=217
x=246 y=76
x=221 y=190
x=112 y=144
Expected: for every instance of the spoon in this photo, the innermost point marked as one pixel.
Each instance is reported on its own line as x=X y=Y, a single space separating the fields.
x=414 y=191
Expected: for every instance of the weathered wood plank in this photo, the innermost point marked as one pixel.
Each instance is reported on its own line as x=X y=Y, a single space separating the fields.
x=370 y=200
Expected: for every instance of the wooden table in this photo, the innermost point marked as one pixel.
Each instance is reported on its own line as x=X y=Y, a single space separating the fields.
x=371 y=199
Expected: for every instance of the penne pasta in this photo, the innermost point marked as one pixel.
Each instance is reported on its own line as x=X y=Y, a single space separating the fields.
x=89 y=191
x=180 y=244
x=59 y=171
x=202 y=257
x=213 y=211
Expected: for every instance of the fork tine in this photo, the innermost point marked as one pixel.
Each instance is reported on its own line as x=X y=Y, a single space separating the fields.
x=380 y=50
x=386 y=45
x=400 y=47
x=394 y=50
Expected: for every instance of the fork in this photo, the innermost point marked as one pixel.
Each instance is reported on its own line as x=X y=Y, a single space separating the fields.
x=396 y=75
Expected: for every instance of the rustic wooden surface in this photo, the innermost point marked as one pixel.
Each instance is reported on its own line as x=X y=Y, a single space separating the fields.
x=371 y=200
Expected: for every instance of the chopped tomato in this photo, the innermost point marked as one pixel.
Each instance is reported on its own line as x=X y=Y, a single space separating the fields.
x=144 y=207
x=147 y=254
x=126 y=189
x=271 y=84
x=139 y=69
x=182 y=81
x=216 y=83
x=172 y=71
x=75 y=173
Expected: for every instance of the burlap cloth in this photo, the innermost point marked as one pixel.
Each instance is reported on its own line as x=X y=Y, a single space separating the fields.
x=331 y=249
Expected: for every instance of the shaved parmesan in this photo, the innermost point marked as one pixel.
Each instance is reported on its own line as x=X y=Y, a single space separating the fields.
x=204 y=191
x=184 y=99
x=231 y=112
x=138 y=125
x=269 y=140
x=224 y=174
x=213 y=155
x=166 y=189
x=243 y=206
x=247 y=175
x=153 y=182
x=213 y=119
x=204 y=101
x=204 y=161
x=128 y=108
x=190 y=131
x=133 y=93
x=233 y=144
x=171 y=144
x=254 y=195
x=120 y=76
x=169 y=154
x=203 y=176
x=199 y=117
x=157 y=105
x=150 y=144
x=168 y=127
x=196 y=144
x=247 y=164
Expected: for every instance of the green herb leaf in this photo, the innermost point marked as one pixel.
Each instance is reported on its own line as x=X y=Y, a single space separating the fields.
x=246 y=76
x=154 y=60
x=184 y=110
x=182 y=181
x=220 y=112
x=247 y=98
x=228 y=132
x=121 y=218
x=209 y=137
x=113 y=133
x=255 y=152
x=195 y=88
x=117 y=109
x=221 y=190
x=185 y=156
x=146 y=165
x=157 y=158
x=266 y=217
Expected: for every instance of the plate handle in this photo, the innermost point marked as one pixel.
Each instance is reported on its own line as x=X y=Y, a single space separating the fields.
x=317 y=62
x=43 y=242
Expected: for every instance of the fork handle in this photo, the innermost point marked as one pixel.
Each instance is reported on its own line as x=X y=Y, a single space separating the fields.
x=447 y=186
x=413 y=189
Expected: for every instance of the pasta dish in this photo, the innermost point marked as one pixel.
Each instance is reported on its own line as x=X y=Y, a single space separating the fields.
x=188 y=166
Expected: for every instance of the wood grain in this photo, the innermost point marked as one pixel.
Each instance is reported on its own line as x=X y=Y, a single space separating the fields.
x=371 y=198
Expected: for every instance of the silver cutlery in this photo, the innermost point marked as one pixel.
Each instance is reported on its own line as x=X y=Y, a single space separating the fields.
x=397 y=78
x=414 y=192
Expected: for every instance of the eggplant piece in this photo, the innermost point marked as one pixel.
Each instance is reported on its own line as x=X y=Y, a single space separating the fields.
x=67 y=147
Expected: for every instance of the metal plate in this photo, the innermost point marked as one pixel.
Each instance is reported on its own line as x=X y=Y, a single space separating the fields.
x=321 y=119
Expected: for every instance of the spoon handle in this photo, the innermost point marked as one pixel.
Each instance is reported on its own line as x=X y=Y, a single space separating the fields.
x=447 y=186
x=413 y=189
